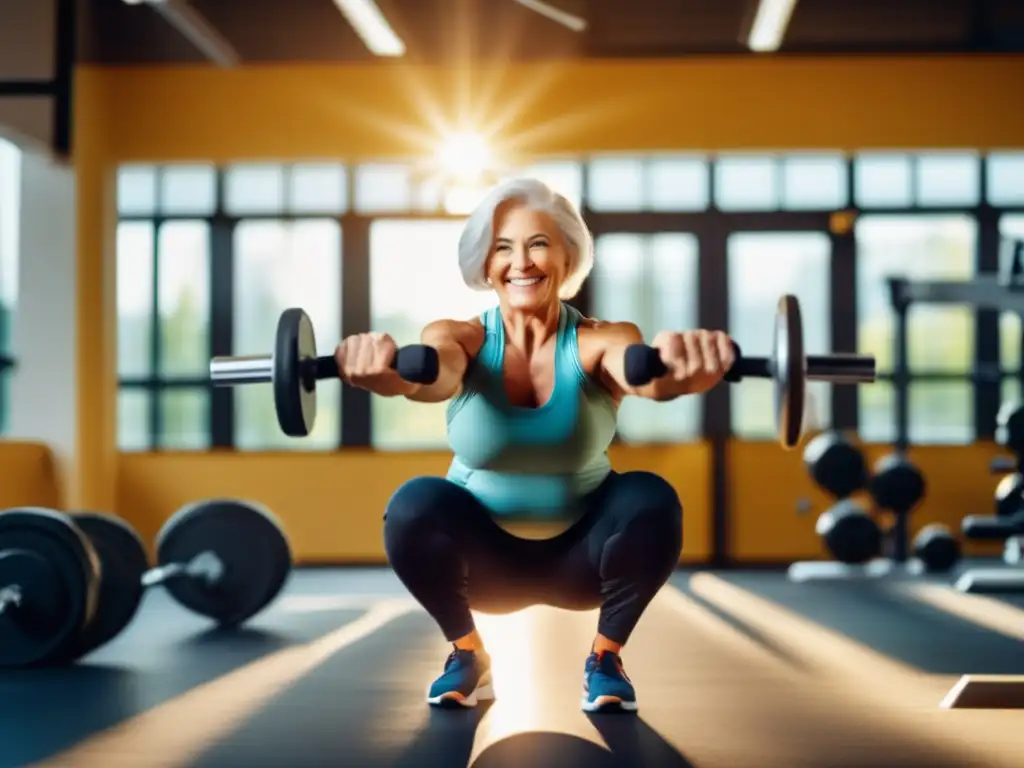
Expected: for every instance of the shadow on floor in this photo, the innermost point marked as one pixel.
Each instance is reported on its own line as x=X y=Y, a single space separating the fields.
x=447 y=742
x=44 y=711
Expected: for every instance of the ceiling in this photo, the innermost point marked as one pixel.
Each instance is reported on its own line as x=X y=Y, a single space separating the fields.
x=439 y=31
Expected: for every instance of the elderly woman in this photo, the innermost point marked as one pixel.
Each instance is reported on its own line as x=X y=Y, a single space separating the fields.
x=533 y=390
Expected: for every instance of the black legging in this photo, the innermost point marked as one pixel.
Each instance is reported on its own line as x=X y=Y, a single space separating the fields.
x=452 y=556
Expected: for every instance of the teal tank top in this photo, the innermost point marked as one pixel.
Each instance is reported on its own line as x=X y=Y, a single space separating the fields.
x=530 y=463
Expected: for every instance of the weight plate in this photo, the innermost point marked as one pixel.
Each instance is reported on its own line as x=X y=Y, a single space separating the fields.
x=788 y=369
x=294 y=394
x=250 y=546
x=57 y=573
x=123 y=561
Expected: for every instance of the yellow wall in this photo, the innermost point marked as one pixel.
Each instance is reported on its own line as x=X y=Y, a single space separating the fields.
x=291 y=112
x=27 y=475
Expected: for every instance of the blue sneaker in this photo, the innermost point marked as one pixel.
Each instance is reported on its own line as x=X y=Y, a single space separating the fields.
x=466 y=680
x=606 y=688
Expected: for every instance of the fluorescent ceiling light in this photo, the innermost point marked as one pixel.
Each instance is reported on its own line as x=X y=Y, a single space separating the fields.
x=770 y=24
x=371 y=26
x=575 y=23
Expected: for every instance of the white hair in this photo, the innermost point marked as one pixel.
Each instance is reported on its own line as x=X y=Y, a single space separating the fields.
x=478 y=235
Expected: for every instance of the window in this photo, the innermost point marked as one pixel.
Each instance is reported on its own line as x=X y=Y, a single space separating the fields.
x=563 y=176
x=650 y=280
x=415 y=279
x=946 y=179
x=883 y=180
x=1011 y=228
x=814 y=182
x=163 y=305
x=272 y=189
x=747 y=183
x=1005 y=178
x=660 y=183
x=762 y=267
x=10 y=196
x=940 y=338
x=280 y=265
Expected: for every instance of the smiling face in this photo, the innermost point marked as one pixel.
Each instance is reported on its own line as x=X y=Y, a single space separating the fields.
x=528 y=261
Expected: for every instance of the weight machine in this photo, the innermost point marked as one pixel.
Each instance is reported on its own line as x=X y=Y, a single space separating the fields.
x=1005 y=293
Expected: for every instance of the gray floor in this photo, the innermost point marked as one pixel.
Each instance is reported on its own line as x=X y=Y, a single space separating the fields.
x=733 y=670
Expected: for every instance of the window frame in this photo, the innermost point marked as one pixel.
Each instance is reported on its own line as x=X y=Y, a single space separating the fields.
x=711 y=227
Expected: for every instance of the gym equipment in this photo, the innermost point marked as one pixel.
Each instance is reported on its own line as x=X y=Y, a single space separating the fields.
x=787 y=367
x=850 y=533
x=835 y=464
x=1010 y=428
x=123 y=562
x=1010 y=495
x=1007 y=580
x=294 y=369
x=69 y=584
x=49 y=585
x=225 y=559
x=986 y=692
x=936 y=548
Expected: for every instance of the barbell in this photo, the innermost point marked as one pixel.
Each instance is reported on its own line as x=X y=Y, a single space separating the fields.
x=788 y=368
x=71 y=583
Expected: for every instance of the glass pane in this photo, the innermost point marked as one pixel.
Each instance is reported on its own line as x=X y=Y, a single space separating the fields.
x=280 y=265
x=1011 y=230
x=1005 y=180
x=940 y=338
x=747 y=183
x=941 y=412
x=650 y=280
x=1011 y=390
x=883 y=180
x=133 y=420
x=383 y=188
x=1010 y=341
x=318 y=188
x=254 y=189
x=5 y=401
x=188 y=190
x=10 y=213
x=563 y=176
x=948 y=179
x=134 y=298
x=183 y=279
x=678 y=184
x=414 y=280
x=136 y=190
x=876 y=404
x=185 y=419
x=762 y=267
x=814 y=182
x=616 y=184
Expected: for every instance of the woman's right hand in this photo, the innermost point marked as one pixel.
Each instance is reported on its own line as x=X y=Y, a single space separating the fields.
x=364 y=360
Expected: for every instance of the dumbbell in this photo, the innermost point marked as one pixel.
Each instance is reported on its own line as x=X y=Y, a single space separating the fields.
x=71 y=583
x=787 y=367
x=294 y=369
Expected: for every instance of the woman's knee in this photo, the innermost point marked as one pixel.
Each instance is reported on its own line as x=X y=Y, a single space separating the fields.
x=651 y=531
x=654 y=502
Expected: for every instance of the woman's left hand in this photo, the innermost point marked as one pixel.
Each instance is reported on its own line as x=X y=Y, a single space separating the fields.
x=696 y=361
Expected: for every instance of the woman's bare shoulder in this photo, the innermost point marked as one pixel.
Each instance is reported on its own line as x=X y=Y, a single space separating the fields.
x=469 y=334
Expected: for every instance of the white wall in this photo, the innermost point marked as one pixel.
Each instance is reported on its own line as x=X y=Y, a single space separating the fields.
x=44 y=389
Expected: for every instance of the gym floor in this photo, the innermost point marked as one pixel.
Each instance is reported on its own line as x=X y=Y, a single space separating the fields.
x=733 y=669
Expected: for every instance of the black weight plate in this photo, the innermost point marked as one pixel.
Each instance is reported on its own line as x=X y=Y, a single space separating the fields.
x=788 y=366
x=294 y=394
x=248 y=542
x=123 y=561
x=58 y=573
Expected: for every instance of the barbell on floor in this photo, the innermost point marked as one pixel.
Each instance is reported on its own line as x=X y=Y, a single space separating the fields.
x=788 y=368
x=71 y=583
